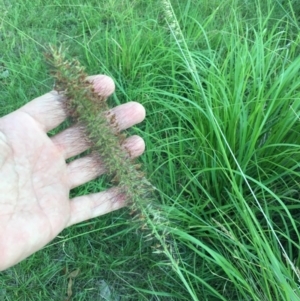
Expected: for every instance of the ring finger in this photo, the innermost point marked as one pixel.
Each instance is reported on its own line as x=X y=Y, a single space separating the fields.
x=87 y=168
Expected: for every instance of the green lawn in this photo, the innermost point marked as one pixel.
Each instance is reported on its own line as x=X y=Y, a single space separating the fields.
x=220 y=80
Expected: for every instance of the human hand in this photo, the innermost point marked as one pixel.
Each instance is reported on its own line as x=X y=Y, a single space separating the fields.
x=36 y=180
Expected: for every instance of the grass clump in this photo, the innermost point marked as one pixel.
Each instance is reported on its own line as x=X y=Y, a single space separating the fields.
x=241 y=165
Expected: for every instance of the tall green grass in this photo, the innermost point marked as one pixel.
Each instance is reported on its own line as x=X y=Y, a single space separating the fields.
x=242 y=111
x=222 y=135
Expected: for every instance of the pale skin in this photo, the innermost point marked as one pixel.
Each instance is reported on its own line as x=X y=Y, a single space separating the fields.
x=35 y=179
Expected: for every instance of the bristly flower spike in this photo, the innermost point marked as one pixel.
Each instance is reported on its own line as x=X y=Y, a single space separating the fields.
x=89 y=110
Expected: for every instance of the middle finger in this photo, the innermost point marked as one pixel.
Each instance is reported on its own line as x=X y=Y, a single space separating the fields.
x=72 y=142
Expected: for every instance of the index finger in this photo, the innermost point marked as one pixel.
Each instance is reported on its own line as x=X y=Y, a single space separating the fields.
x=47 y=110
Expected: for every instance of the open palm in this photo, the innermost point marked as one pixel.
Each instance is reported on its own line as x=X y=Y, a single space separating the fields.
x=36 y=180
